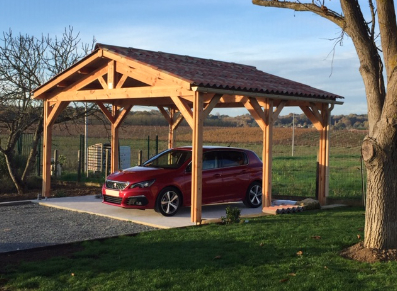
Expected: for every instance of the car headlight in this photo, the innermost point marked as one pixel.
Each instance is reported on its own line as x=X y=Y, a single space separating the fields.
x=144 y=184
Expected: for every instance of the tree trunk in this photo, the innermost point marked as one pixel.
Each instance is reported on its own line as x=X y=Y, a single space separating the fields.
x=380 y=156
x=9 y=157
x=33 y=151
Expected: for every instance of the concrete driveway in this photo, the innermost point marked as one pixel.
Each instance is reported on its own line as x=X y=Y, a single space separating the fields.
x=91 y=204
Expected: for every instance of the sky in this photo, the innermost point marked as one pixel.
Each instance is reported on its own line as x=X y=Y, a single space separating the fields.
x=293 y=45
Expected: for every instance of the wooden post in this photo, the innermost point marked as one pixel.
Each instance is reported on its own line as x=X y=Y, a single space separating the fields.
x=47 y=139
x=324 y=156
x=267 y=154
x=197 y=157
x=171 y=129
x=114 y=148
x=50 y=114
x=115 y=118
x=107 y=154
x=321 y=121
x=139 y=157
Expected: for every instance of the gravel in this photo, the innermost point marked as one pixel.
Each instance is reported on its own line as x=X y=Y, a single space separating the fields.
x=32 y=225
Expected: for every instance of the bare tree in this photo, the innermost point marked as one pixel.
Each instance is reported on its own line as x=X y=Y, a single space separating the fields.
x=26 y=62
x=379 y=148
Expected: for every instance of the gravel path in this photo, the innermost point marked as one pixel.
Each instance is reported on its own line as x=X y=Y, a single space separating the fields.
x=32 y=225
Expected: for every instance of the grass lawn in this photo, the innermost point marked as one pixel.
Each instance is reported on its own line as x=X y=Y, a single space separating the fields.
x=285 y=252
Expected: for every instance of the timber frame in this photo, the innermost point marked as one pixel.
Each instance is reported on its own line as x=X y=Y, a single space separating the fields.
x=116 y=79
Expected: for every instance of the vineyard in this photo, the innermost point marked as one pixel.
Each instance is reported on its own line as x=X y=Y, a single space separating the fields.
x=294 y=167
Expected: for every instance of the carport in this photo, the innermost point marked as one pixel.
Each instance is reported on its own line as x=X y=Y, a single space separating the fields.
x=183 y=87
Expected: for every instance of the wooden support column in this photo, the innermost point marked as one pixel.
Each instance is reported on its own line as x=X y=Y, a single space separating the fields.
x=114 y=143
x=323 y=154
x=265 y=121
x=173 y=122
x=116 y=117
x=197 y=157
x=320 y=119
x=119 y=117
x=267 y=154
x=50 y=114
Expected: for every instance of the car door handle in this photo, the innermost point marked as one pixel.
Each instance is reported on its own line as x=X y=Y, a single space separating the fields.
x=217 y=175
x=243 y=171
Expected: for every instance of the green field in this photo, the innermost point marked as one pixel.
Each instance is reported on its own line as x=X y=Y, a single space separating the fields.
x=292 y=175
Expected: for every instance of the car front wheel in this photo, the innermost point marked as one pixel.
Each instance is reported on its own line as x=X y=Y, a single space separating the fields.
x=253 y=198
x=168 y=202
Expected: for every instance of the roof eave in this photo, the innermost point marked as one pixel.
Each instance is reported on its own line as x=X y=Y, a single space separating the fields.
x=266 y=95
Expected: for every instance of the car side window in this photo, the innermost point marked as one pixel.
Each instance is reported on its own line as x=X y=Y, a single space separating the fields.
x=210 y=160
x=233 y=159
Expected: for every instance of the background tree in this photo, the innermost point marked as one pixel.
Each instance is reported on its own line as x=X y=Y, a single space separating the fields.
x=26 y=62
x=379 y=148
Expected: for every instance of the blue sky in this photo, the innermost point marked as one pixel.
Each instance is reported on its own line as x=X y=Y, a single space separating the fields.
x=293 y=45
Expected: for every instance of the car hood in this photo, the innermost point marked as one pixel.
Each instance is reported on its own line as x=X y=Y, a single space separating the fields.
x=138 y=174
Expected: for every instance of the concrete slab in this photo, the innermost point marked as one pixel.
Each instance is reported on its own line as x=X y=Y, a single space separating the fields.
x=91 y=204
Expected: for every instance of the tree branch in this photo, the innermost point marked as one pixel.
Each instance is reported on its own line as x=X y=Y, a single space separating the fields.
x=322 y=10
x=388 y=32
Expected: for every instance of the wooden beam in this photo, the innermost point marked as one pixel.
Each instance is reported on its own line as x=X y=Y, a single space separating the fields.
x=111 y=74
x=277 y=112
x=146 y=69
x=177 y=121
x=315 y=118
x=121 y=82
x=184 y=109
x=38 y=92
x=87 y=79
x=103 y=82
x=105 y=111
x=121 y=93
x=214 y=100
x=122 y=115
x=197 y=158
x=63 y=84
x=255 y=110
x=165 y=114
x=142 y=76
x=84 y=71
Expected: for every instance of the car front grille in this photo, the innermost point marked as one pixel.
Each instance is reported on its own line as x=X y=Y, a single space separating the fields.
x=112 y=199
x=116 y=185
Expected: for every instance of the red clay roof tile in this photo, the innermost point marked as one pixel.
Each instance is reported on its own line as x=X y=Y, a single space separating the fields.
x=221 y=75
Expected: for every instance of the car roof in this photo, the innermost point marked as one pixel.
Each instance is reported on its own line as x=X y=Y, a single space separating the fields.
x=209 y=148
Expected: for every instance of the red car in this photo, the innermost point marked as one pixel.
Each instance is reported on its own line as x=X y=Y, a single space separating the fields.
x=163 y=182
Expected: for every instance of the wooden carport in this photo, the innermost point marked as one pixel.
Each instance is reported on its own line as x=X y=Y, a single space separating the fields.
x=182 y=87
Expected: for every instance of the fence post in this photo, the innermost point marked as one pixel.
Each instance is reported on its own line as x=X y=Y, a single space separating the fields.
x=55 y=164
x=157 y=144
x=148 y=147
x=106 y=162
x=139 y=157
x=82 y=151
x=38 y=160
x=78 y=165
x=317 y=176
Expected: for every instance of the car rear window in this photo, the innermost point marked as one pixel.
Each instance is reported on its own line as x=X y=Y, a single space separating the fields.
x=233 y=159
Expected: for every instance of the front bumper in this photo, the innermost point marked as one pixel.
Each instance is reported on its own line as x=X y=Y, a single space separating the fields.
x=126 y=201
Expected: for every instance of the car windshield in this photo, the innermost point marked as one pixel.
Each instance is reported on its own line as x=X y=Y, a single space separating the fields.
x=170 y=159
